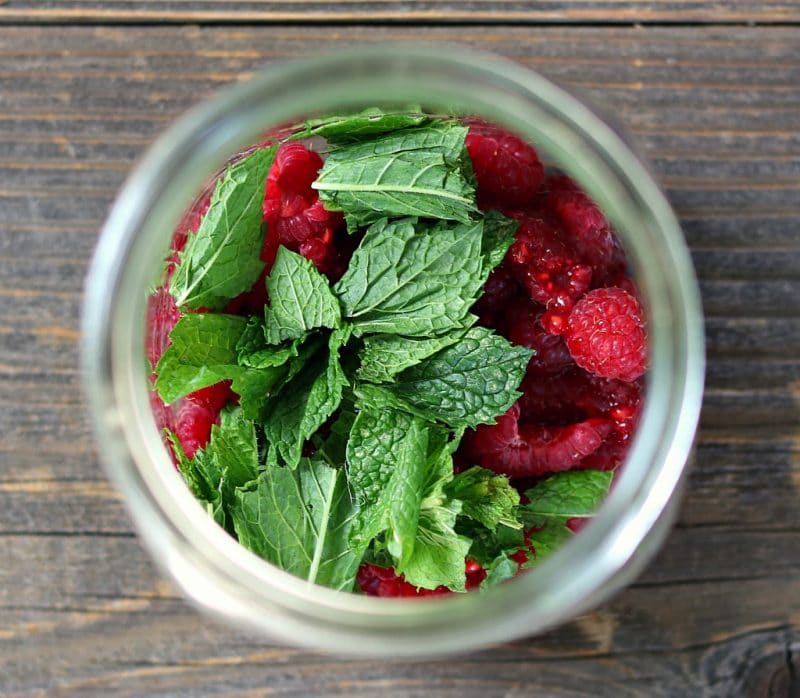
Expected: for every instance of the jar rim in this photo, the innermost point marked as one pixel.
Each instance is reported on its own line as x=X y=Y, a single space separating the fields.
x=210 y=566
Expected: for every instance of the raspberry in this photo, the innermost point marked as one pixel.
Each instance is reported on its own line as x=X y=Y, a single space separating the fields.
x=585 y=227
x=543 y=263
x=605 y=334
x=498 y=291
x=162 y=316
x=531 y=450
x=508 y=170
x=213 y=397
x=375 y=580
x=525 y=328
x=193 y=422
x=294 y=214
x=610 y=455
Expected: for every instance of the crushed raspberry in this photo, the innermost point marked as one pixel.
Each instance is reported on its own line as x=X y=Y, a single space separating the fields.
x=295 y=216
x=585 y=227
x=610 y=455
x=375 y=580
x=525 y=328
x=605 y=334
x=546 y=267
x=508 y=170
x=529 y=450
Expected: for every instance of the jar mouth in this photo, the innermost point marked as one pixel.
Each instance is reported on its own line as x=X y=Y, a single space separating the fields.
x=209 y=565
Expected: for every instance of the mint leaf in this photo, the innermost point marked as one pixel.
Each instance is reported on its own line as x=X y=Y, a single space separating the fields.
x=204 y=352
x=575 y=493
x=305 y=402
x=385 y=355
x=439 y=551
x=499 y=570
x=202 y=480
x=415 y=172
x=255 y=388
x=202 y=349
x=499 y=234
x=468 y=383
x=352 y=127
x=486 y=497
x=386 y=467
x=555 y=500
x=253 y=351
x=333 y=448
x=412 y=279
x=300 y=299
x=222 y=259
x=300 y=520
x=233 y=447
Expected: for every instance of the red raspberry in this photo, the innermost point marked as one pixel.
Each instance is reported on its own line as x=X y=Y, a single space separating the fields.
x=530 y=450
x=546 y=267
x=508 y=170
x=498 y=291
x=585 y=227
x=610 y=455
x=188 y=225
x=162 y=316
x=294 y=214
x=214 y=397
x=525 y=328
x=375 y=580
x=605 y=334
x=193 y=422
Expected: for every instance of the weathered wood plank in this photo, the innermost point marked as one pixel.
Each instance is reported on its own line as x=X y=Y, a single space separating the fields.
x=252 y=11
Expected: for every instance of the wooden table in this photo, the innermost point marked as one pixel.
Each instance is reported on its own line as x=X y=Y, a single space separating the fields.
x=714 y=97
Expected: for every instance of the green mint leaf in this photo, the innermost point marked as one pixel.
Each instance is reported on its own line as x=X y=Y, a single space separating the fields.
x=499 y=234
x=222 y=259
x=411 y=279
x=255 y=388
x=468 y=383
x=305 y=402
x=202 y=480
x=333 y=448
x=386 y=467
x=385 y=355
x=486 y=497
x=253 y=351
x=203 y=347
x=233 y=447
x=415 y=172
x=300 y=299
x=575 y=493
x=439 y=552
x=499 y=570
x=204 y=352
x=546 y=540
x=371 y=122
x=300 y=520
x=488 y=545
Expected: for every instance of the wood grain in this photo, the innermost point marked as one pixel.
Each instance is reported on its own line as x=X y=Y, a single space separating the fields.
x=82 y=612
x=400 y=11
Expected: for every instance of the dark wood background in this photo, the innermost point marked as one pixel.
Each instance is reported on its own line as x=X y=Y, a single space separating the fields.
x=712 y=90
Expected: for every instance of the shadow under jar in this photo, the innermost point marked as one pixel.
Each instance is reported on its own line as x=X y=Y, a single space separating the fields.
x=224 y=578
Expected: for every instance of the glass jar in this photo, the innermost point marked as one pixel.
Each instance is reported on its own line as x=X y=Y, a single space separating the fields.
x=224 y=578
